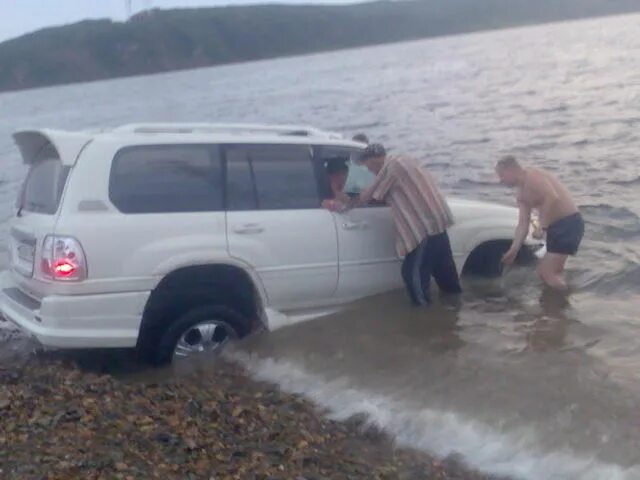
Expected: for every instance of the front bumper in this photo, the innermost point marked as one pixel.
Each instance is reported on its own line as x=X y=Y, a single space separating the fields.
x=82 y=321
x=537 y=247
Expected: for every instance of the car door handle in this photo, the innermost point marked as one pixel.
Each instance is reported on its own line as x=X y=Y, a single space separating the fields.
x=249 y=229
x=355 y=225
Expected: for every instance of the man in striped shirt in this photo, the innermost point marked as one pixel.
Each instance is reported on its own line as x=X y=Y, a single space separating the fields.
x=421 y=216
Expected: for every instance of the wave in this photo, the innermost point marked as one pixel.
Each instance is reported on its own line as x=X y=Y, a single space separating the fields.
x=4 y=325
x=559 y=108
x=580 y=143
x=626 y=183
x=622 y=280
x=471 y=141
x=610 y=221
x=469 y=182
x=517 y=454
x=432 y=106
x=355 y=126
x=436 y=165
x=536 y=146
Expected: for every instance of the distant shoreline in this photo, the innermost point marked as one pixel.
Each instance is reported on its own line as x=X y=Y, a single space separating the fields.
x=164 y=41
x=298 y=55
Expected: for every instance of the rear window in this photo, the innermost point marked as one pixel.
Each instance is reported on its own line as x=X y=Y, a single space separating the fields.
x=42 y=189
x=167 y=179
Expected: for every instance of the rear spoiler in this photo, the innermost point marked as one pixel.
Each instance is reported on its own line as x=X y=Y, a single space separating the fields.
x=69 y=145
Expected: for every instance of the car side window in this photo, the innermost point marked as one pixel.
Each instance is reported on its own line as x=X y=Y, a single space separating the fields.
x=241 y=194
x=270 y=177
x=167 y=179
x=358 y=177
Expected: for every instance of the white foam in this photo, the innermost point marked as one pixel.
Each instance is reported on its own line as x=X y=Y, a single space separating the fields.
x=6 y=325
x=277 y=319
x=516 y=454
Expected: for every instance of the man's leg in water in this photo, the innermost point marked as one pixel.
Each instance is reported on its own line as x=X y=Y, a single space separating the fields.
x=444 y=267
x=409 y=266
x=551 y=270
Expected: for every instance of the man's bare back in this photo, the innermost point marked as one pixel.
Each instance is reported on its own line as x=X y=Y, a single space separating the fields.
x=544 y=192
x=559 y=217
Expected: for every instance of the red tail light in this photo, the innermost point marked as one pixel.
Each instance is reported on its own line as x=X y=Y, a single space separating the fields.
x=64 y=268
x=63 y=259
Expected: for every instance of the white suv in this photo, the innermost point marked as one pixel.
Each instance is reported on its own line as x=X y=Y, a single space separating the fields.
x=176 y=238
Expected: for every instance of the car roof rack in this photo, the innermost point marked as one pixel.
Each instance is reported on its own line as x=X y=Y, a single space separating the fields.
x=226 y=128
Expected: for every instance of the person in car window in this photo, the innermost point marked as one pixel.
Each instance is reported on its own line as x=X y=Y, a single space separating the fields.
x=337 y=171
x=421 y=216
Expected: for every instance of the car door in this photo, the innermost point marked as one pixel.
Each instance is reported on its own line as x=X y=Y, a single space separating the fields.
x=275 y=224
x=368 y=262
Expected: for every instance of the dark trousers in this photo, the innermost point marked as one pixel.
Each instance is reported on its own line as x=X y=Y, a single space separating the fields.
x=432 y=257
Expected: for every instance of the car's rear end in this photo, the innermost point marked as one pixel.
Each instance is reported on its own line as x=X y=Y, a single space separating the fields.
x=37 y=290
x=36 y=213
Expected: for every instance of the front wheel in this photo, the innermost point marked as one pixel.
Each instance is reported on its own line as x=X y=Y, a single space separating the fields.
x=203 y=330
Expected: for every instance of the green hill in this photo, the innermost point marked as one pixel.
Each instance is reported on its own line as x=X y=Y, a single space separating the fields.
x=164 y=40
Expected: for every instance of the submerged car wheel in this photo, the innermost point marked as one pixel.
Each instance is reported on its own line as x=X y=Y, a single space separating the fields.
x=207 y=336
x=204 y=330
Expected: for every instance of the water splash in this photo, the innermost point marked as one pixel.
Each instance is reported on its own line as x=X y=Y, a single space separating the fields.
x=517 y=454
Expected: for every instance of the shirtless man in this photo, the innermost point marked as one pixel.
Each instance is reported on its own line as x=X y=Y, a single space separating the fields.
x=559 y=218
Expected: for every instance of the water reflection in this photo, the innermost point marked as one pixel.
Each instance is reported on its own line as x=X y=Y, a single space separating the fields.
x=547 y=330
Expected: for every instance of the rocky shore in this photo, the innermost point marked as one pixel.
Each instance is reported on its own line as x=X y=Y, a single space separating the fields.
x=66 y=419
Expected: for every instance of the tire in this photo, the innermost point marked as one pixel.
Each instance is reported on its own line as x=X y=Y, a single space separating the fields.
x=485 y=260
x=187 y=329
x=493 y=266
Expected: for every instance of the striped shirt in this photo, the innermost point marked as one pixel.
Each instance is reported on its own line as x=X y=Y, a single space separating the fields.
x=419 y=209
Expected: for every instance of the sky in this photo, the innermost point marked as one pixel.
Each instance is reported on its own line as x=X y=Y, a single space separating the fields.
x=22 y=16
